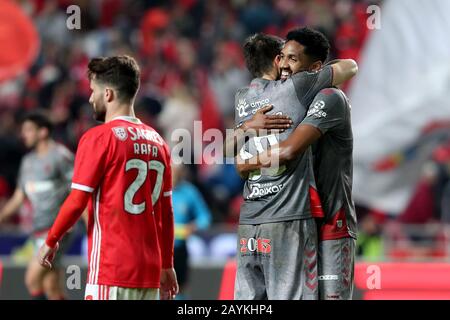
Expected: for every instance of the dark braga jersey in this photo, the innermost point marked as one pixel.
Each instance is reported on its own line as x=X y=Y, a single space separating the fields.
x=333 y=163
x=288 y=192
x=45 y=180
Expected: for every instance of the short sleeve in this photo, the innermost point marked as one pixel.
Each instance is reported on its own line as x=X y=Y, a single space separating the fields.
x=308 y=84
x=328 y=111
x=90 y=161
x=65 y=164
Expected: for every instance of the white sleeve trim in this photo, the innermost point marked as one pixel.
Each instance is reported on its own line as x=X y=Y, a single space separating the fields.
x=167 y=193
x=82 y=187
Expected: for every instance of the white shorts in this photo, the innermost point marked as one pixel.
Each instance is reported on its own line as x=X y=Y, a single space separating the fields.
x=103 y=292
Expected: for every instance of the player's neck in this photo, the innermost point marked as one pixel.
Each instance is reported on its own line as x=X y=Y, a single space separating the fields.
x=43 y=147
x=269 y=76
x=126 y=110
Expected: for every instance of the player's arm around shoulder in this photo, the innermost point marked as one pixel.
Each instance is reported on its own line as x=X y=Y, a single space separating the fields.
x=343 y=70
x=260 y=123
x=326 y=112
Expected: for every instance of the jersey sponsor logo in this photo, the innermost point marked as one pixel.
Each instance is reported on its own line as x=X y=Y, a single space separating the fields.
x=316 y=110
x=120 y=133
x=260 y=190
x=327 y=277
x=259 y=104
x=240 y=108
x=144 y=134
x=32 y=187
x=243 y=105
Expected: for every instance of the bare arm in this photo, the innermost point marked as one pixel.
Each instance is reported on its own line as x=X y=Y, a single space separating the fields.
x=328 y=111
x=258 y=122
x=12 y=205
x=343 y=70
x=302 y=137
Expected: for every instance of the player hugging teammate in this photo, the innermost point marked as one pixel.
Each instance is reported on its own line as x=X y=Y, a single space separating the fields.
x=283 y=224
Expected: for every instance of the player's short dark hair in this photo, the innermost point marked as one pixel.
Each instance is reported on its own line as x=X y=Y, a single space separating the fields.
x=121 y=72
x=316 y=44
x=259 y=52
x=39 y=119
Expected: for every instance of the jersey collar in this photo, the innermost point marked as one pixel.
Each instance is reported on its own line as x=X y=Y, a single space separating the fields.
x=128 y=118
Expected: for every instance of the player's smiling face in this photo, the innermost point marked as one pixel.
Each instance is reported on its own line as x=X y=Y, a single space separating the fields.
x=97 y=100
x=293 y=59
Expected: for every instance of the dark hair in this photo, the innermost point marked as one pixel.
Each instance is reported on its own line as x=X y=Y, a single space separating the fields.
x=259 y=52
x=120 y=72
x=316 y=44
x=39 y=119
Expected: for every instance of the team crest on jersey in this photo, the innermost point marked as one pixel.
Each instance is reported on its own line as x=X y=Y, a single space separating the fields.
x=120 y=133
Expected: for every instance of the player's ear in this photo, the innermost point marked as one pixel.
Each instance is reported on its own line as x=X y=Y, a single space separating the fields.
x=277 y=60
x=109 y=94
x=316 y=66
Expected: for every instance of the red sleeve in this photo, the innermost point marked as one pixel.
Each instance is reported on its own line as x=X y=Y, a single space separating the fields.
x=167 y=220
x=68 y=215
x=90 y=161
x=167 y=187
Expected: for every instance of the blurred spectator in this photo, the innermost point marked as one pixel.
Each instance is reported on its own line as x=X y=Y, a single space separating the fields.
x=370 y=239
x=191 y=214
x=227 y=76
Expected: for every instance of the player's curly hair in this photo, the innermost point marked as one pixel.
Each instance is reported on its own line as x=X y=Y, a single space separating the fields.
x=259 y=52
x=120 y=72
x=39 y=118
x=317 y=46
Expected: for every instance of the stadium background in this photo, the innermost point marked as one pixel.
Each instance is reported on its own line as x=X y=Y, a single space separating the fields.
x=191 y=62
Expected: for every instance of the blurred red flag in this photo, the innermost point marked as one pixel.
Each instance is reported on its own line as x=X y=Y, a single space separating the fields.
x=18 y=39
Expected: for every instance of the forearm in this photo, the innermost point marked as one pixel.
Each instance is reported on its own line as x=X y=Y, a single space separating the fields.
x=275 y=156
x=259 y=124
x=287 y=150
x=8 y=210
x=12 y=205
x=68 y=215
x=343 y=70
x=167 y=233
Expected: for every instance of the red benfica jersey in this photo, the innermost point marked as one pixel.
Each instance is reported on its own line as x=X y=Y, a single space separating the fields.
x=125 y=164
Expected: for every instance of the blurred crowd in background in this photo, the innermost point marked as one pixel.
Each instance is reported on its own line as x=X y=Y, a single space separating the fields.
x=191 y=62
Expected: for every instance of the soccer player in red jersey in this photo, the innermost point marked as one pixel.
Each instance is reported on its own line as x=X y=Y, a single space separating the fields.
x=122 y=172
